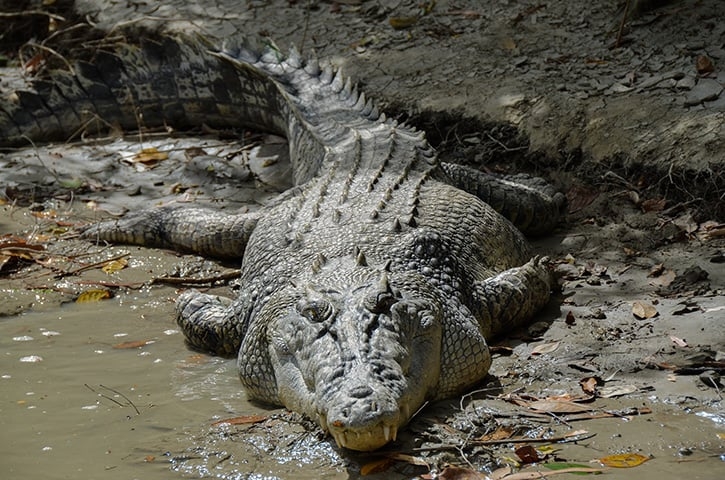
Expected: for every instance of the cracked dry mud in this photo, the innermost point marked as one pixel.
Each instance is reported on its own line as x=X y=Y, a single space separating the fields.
x=634 y=135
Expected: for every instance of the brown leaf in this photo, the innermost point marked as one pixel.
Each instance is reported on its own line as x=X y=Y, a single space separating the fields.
x=500 y=433
x=653 y=205
x=589 y=385
x=400 y=23
x=402 y=457
x=644 y=310
x=150 y=156
x=703 y=64
x=242 y=420
x=459 y=473
x=132 y=344
x=624 y=460
x=617 y=391
x=377 y=466
x=527 y=454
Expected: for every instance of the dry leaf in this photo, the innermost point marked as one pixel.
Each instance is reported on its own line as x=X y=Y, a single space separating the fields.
x=644 y=310
x=115 y=265
x=544 y=348
x=653 y=205
x=400 y=23
x=527 y=454
x=458 y=473
x=93 y=295
x=150 y=156
x=149 y=458
x=570 y=319
x=703 y=64
x=377 y=466
x=132 y=344
x=537 y=474
x=242 y=420
x=617 y=391
x=624 y=460
x=500 y=433
x=402 y=457
x=554 y=406
x=678 y=341
x=589 y=385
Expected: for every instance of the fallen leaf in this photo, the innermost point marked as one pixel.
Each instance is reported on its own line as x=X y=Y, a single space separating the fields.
x=400 y=23
x=115 y=266
x=554 y=406
x=589 y=384
x=402 y=457
x=377 y=466
x=653 y=205
x=527 y=454
x=459 y=473
x=703 y=64
x=624 y=460
x=570 y=319
x=501 y=433
x=678 y=341
x=93 y=295
x=617 y=391
x=542 y=474
x=149 y=458
x=150 y=156
x=644 y=310
x=544 y=348
x=132 y=344
x=242 y=420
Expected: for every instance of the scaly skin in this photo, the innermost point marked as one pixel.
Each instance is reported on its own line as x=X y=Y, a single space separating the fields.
x=368 y=289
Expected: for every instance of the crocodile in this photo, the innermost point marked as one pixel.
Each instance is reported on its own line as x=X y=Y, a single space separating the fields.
x=372 y=285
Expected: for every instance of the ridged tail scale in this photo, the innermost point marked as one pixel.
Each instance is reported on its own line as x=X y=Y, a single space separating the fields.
x=184 y=83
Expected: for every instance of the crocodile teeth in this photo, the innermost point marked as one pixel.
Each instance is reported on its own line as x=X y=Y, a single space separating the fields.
x=386 y=433
x=340 y=439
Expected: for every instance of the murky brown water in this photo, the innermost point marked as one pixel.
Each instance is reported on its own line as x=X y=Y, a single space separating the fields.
x=89 y=410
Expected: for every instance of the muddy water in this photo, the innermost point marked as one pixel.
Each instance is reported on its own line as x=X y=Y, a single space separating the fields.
x=73 y=406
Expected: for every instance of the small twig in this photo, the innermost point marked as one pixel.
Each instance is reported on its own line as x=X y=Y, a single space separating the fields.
x=503 y=441
x=122 y=396
x=51 y=51
x=28 y=13
x=232 y=275
x=92 y=265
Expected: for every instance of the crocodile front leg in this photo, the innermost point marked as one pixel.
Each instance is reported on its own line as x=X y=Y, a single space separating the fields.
x=198 y=230
x=530 y=203
x=509 y=300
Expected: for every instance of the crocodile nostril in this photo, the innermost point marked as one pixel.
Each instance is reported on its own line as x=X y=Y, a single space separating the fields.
x=361 y=391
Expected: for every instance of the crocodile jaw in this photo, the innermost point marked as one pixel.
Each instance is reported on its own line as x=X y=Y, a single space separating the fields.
x=361 y=438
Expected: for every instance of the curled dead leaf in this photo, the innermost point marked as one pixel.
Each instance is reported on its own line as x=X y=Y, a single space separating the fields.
x=644 y=310
x=93 y=295
x=545 y=348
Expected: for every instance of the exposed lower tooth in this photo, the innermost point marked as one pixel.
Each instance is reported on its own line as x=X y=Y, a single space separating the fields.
x=386 y=433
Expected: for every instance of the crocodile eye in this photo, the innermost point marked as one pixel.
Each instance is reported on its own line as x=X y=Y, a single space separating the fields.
x=314 y=310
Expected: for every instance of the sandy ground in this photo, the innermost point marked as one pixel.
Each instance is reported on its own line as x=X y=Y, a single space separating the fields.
x=633 y=134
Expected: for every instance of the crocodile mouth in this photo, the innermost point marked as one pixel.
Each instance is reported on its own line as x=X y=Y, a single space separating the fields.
x=363 y=439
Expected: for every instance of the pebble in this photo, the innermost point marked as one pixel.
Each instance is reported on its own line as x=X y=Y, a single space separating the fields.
x=706 y=90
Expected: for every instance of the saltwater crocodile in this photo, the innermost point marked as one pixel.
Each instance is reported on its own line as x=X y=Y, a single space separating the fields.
x=371 y=286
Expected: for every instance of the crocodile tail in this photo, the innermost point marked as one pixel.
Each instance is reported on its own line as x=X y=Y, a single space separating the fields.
x=157 y=82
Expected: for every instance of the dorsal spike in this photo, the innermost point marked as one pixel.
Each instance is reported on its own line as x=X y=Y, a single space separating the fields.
x=338 y=83
x=327 y=74
x=386 y=267
x=312 y=67
x=360 y=259
x=384 y=283
x=294 y=59
x=397 y=227
x=318 y=263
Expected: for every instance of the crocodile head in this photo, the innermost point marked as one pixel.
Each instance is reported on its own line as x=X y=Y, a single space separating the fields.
x=355 y=350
